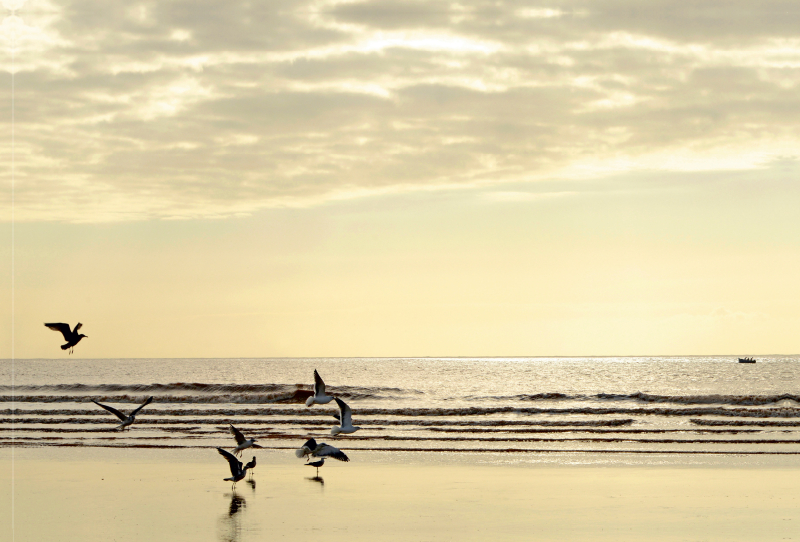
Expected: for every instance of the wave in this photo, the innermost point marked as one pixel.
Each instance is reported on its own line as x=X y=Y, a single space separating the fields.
x=206 y=393
x=777 y=412
x=758 y=423
x=751 y=400
x=197 y=431
x=103 y=417
x=299 y=390
x=419 y=449
x=481 y=439
x=743 y=400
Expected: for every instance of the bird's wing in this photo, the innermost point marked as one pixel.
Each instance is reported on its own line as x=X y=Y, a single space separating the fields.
x=237 y=434
x=346 y=412
x=62 y=327
x=140 y=407
x=319 y=385
x=326 y=450
x=77 y=327
x=306 y=448
x=112 y=410
x=236 y=465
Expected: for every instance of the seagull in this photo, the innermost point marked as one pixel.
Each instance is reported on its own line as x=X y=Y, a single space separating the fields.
x=237 y=471
x=251 y=465
x=319 y=396
x=316 y=464
x=311 y=448
x=72 y=337
x=126 y=420
x=306 y=449
x=241 y=442
x=345 y=419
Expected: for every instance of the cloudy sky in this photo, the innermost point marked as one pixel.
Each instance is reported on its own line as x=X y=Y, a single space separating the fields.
x=381 y=178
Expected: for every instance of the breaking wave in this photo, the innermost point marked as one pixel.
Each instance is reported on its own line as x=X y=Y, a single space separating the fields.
x=639 y=397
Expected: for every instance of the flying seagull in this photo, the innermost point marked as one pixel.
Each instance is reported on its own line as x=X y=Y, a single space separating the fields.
x=319 y=396
x=316 y=464
x=311 y=448
x=345 y=419
x=126 y=420
x=241 y=442
x=237 y=471
x=72 y=337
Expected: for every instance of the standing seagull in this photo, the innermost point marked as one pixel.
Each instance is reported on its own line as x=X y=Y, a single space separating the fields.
x=72 y=337
x=345 y=419
x=319 y=396
x=251 y=465
x=237 y=471
x=126 y=420
x=316 y=464
x=241 y=442
x=311 y=448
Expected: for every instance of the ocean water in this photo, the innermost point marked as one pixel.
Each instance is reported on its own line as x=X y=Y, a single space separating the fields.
x=495 y=408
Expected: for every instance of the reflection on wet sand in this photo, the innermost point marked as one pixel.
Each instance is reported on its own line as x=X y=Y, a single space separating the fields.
x=231 y=523
x=251 y=483
x=317 y=479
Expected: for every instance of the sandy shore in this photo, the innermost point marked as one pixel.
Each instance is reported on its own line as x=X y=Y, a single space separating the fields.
x=105 y=494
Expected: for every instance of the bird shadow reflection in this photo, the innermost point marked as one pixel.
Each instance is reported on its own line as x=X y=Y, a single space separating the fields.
x=318 y=479
x=251 y=483
x=230 y=528
x=238 y=503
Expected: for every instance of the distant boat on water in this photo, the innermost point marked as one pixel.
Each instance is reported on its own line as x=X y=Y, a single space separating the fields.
x=747 y=360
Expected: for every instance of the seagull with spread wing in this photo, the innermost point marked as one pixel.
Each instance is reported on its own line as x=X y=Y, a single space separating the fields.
x=126 y=420
x=241 y=442
x=237 y=470
x=72 y=337
x=345 y=418
x=319 y=396
x=312 y=449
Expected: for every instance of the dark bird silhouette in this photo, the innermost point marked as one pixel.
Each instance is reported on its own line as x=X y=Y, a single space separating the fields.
x=237 y=470
x=126 y=420
x=316 y=464
x=72 y=337
x=251 y=465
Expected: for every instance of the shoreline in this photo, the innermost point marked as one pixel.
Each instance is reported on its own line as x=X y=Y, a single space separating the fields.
x=134 y=494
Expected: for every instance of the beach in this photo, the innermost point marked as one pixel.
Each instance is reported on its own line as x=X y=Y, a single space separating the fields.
x=655 y=449
x=108 y=494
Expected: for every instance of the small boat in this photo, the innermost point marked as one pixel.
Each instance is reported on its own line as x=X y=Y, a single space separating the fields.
x=747 y=360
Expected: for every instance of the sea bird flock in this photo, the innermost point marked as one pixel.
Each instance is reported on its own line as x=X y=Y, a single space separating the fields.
x=238 y=471
x=308 y=450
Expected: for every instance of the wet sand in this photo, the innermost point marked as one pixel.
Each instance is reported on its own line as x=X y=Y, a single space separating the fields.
x=71 y=494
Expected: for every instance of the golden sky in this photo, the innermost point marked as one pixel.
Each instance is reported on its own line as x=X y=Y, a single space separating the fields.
x=382 y=178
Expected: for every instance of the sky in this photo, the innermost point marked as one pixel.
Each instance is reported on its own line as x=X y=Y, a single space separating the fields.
x=386 y=178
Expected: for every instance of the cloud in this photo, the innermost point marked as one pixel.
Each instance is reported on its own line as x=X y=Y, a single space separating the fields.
x=193 y=109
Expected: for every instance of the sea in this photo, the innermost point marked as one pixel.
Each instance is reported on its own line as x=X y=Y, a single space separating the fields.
x=493 y=409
